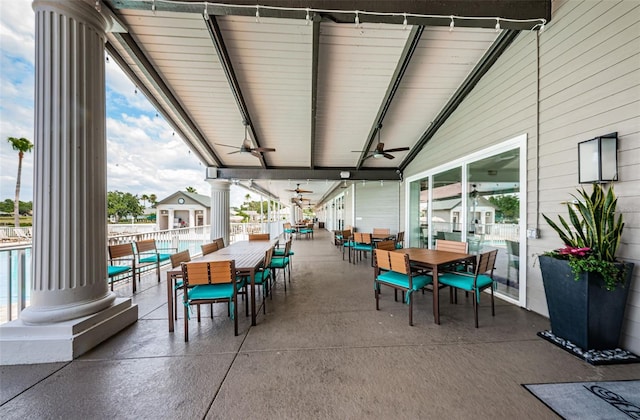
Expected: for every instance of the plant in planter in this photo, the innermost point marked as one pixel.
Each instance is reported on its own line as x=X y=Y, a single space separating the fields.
x=585 y=285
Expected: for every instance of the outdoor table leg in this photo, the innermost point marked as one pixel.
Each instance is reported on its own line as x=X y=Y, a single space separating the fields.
x=253 y=296
x=436 y=293
x=170 y=301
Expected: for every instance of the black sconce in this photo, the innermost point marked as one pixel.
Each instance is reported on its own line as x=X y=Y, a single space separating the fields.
x=598 y=159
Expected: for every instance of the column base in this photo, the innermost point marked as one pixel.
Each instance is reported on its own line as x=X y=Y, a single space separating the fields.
x=63 y=341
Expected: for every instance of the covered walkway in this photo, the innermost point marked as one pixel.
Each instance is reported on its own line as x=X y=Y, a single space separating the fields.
x=321 y=351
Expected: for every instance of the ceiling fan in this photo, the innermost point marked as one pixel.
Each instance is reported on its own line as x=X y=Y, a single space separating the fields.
x=299 y=191
x=380 y=151
x=245 y=147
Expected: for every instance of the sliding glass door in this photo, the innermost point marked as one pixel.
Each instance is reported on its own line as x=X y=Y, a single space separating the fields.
x=476 y=199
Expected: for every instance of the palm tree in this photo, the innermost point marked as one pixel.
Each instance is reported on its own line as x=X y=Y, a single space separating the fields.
x=144 y=199
x=21 y=145
x=153 y=199
x=191 y=190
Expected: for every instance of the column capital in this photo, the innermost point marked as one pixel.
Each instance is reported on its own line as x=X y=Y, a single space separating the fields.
x=219 y=184
x=81 y=10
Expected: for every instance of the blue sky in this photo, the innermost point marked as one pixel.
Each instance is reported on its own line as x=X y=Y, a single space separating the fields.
x=144 y=155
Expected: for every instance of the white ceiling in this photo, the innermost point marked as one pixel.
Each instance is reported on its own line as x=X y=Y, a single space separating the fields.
x=274 y=66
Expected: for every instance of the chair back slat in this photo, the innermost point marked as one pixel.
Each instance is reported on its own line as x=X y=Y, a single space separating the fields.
x=209 y=248
x=399 y=262
x=146 y=245
x=382 y=259
x=268 y=256
x=452 y=246
x=195 y=273
x=222 y=271
x=287 y=247
x=121 y=250
x=381 y=231
x=179 y=258
x=259 y=237
x=219 y=242
x=366 y=238
x=386 y=245
x=486 y=262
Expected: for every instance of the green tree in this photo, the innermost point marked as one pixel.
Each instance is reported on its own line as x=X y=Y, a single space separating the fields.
x=153 y=199
x=144 y=199
x=121 y=204
x=508 y=207
x=191 y=190
x=21 y=145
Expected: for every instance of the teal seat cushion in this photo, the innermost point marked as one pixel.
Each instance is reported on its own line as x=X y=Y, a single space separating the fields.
x=155 y=258
x=402 y=280
x=178 y=285
x=398 y=246
x=114 y=270
x=464 y=282
x=290 y=231
x=210 y=291
x=363 y=247
x=349 y=244
x=262 y=276
x=280 y=252
x=279 y=262
x=241 y=281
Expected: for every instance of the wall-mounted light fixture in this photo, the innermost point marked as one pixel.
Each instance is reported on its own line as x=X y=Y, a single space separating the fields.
x=598 y=159
x=345 y=174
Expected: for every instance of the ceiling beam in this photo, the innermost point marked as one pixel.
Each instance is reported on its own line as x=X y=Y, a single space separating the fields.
x=126 y=42
x=315 y=54
x=490 y=57
x=403 y=63
x=227 y=66
x=303 y=173
x=296 y=9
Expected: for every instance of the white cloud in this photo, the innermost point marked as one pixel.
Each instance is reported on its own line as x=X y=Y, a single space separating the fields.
x=143 y=154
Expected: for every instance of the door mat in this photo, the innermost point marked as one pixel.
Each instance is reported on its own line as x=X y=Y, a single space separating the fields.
x=594 y=357
x=590 y=400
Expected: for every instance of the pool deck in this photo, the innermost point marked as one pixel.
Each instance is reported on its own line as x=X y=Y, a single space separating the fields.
x=321 y=351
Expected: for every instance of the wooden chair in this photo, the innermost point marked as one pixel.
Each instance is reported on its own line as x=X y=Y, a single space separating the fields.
x=400 y=240
x=282 y=263
x=288 y=230
x=386 y=245
x=453 y=246
x=148 y=254
x=474 y=281
x=259 y=237
x=263 y=277
x=362 y=244
x=209 y=282
x=122 y=263
x=392 y=269
x=176 y=261
x=219 y=242
x=209 y=248
x=381 y=231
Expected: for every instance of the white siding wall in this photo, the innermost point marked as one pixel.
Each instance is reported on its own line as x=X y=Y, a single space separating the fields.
x=588 y=84
x=377 y=206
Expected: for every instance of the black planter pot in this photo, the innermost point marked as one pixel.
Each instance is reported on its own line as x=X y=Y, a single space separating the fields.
x=583 y=311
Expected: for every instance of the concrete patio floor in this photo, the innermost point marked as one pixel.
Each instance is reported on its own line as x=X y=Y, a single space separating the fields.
x=321 y=351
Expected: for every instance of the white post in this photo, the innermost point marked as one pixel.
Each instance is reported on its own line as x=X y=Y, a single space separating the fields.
x=72 y=309
x=220 y=213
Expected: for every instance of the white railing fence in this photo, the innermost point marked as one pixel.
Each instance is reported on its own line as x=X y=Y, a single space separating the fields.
x=15 y=256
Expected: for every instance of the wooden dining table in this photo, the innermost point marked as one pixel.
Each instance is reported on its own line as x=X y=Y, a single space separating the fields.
x=434 y=259
x=248 y=257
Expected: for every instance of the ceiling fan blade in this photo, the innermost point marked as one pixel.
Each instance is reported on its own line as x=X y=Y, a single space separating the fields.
x=227 y=145
x=397 y=149
x=263 y=149
x=380 y=147
x=388 y=156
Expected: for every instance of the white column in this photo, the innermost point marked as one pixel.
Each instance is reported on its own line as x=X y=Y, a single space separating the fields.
x=220 y=213
x=292 y=214
x=71 y=308
x=192 y=217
